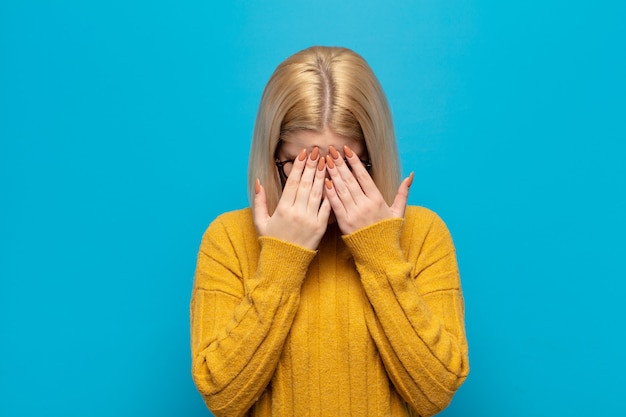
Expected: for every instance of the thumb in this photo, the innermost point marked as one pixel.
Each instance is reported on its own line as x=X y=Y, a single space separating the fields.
x=399 y=203
x=261 y=215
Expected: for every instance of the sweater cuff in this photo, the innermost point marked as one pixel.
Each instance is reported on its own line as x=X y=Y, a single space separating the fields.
x=283 y=265
x=376 y=245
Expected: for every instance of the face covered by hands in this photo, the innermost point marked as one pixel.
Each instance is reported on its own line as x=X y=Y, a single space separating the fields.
x=301 y=216
x=353 y=195
x=317 y=183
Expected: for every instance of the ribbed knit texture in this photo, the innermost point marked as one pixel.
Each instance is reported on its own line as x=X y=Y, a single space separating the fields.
x=369 y=325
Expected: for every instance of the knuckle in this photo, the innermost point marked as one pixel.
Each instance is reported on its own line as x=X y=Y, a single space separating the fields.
x=305 y=182
x=361 y=175
x=350 y=180
x=292 y=181
x=316 y=194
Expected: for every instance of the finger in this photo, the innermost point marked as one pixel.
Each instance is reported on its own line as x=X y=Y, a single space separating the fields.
x=347 y=178
x=399 y=203
x=338 y=183
x=307 y=178
x=334 y=200
x=291 y=185
x=261 y=215
x=360 y=173
x=317 y=190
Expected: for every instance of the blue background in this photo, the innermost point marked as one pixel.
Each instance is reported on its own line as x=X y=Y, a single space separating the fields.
x=125 y=129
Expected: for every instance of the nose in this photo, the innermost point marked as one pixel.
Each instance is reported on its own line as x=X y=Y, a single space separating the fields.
x=330 y=150
x=323 y=152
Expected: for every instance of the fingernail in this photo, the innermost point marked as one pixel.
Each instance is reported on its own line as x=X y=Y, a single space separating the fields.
x=411 y=175
x=333 y=151
x=320 y=164
x=329 y=183
x=347 y=151
x=314 y=154
x=302 y=155
x=257 y=186
x=329 y=162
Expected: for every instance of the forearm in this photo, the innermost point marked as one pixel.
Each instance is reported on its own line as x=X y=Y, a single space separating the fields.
x=237 y=341
x=418 y=330
x=425 y=361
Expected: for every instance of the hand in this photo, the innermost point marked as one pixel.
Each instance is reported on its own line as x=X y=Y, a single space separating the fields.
x=354 y=197
x=301 y=216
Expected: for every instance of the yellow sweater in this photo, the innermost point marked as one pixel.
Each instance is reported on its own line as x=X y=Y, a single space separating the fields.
x=370 y=324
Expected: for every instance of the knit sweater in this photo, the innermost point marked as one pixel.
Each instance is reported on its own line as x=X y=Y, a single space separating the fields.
x=370 y=324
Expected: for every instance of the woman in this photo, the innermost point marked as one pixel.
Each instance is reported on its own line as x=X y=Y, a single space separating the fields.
x=329 y=296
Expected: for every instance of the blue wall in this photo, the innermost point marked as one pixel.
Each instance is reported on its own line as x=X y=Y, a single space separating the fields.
x=125 y=129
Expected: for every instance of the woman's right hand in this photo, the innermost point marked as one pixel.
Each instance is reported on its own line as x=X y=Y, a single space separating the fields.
x=299 y=217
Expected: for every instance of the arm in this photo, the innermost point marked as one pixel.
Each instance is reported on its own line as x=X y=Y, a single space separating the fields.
x=242 y=308
x=239 y=322
x=416 y=312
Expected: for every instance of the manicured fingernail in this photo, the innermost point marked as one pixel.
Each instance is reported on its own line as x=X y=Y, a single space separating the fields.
x=329 y=162
x=320 y=164
x=329 y=183
x=302 y=155
x=347 y=151
x=333 y=152
x=257 y=186
x=411 y=175
x=314 y=154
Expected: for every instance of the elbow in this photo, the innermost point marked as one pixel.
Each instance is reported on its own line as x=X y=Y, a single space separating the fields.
x=434 y=400
x=207 y=390
x=459 y=372
x=454 y=376
x=201 y=376
x=222 y=398
x=205 y=384
x=433 y=397
x=452 y=370
x=451 y=385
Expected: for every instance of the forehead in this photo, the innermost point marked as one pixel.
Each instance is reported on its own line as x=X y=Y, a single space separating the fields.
x=296 y=141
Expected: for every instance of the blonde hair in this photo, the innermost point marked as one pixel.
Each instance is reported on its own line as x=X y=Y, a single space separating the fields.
x=317 y=88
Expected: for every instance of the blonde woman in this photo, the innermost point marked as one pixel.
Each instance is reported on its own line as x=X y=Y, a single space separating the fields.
x=329 y=296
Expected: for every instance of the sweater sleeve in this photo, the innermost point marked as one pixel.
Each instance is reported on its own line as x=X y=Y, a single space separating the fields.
x=416 y=313
x=239 y=323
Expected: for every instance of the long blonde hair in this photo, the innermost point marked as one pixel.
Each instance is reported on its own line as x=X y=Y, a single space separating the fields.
x=324 y=87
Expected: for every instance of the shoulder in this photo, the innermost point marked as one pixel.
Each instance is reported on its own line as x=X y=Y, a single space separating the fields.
x=232 y=225
x=422 y=216
x=235 y=217
x=423 y=222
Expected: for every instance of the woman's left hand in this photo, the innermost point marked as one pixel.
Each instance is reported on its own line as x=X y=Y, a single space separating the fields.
x=354 y=197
